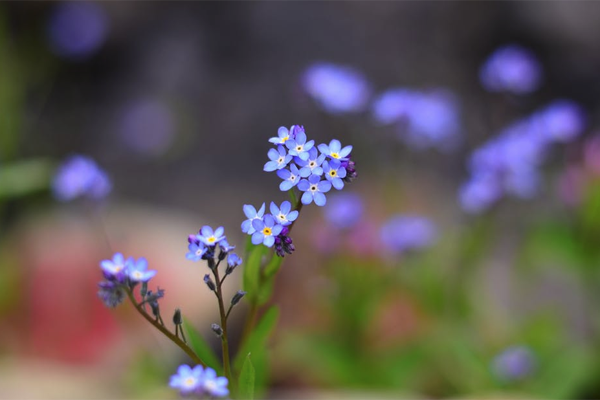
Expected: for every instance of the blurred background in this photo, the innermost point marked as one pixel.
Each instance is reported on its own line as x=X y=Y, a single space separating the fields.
x=462 y=263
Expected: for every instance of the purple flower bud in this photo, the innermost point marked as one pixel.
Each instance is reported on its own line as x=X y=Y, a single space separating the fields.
x=209 y=283
x=237 y=297
x=217 y=330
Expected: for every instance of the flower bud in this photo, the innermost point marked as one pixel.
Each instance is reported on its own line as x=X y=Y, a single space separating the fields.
x=177 y=320
x=237 y=297
x=217 y=330
x=209 y=283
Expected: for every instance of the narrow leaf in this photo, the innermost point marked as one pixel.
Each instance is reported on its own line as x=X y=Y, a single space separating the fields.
x=257 y=340
x=246 y=380
x=252 y=272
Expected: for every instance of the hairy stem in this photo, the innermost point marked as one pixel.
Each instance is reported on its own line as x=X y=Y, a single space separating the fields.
x=174 y=338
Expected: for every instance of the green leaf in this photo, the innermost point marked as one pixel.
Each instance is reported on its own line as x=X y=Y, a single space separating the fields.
x=246 y=380
x=257 y=340
x=251 y=277
x=25 y=177
x=273 y=266
x=293 y=197
x=201 y=348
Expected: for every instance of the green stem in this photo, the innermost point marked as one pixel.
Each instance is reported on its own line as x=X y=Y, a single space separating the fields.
x=224 y=341
x=182 y=345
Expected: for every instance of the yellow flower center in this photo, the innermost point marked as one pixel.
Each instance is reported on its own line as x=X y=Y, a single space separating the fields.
x=267 y=231
x=137 y=274
x=189 y=382
x=332 y=173
x=335 y=155
x=298 y=148
x=285 y=139
x=211 y=239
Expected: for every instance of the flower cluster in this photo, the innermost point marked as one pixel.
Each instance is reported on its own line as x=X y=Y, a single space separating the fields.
x=80 y=176
x=121 y=274
x=511 y=69
x=199 y=381
x=509 y=163
x=202 y=246
x=337 y=89
x=423 y=118
x=313 y=170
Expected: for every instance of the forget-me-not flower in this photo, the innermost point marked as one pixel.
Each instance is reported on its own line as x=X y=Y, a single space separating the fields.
x=299 y=147
x=284 y=214
x=334 y=150
x=233 y=260
x=514 y=363
x=214 y=385
x=314 y=189
x=138 y=271
x=344 y=210
x=265 y=230
x=111 y=293
x=334 y=173
x=290 y=177
x=251 y=214
x=80 y=176
x=196 y=251
x=279 y=158
x=210 y=237
x=407 y=232
x=187 y=379
x=115 y=268
x=312 y=165
x=284 y=134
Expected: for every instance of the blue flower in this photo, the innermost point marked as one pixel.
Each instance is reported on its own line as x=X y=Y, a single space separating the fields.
x=335 y=150
x=283 y=214
x=312 y=165
x=344 y=210
x=407 y=232
x=290 y=177
x=279 y=158
x=337 y=89
x=117 y=267
x=111 y=293
x=188 y=380
x=210 y=238
x=514 y=363
x=251 y=214
x=77 y=29
x=393 y=105
x=79 y=176
x=265 y=231
x=233 y=260
x=225 y=246
x=214 y=385
x=283 y=134
x=314 y=189
x=562 y=121
x=299 y=147
x=138 y=271
x=196 y=251
x=511 y=69
x=334 y=173
x=479 y=193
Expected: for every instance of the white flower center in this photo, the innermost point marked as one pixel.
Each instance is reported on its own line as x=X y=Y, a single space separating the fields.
x=189 y=382
x=313 y=188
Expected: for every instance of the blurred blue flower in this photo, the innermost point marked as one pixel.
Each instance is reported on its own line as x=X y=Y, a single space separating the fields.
x=213 y=385
x=511 y=69
x=233 y=260
x=147 y=127
x=514 y=363
x=79 y=176
x=251 y=214
x=314 y=189
x=407 y=232
x=138 y=271
x=510 y=162
x=423 y=118
x=284 y=214
x=187 y=379
x=337 y=89
x=77 y=29
x=279 y=158
x=115 y=268
x=334 y=173
x=265 y=230
x=344 y=210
